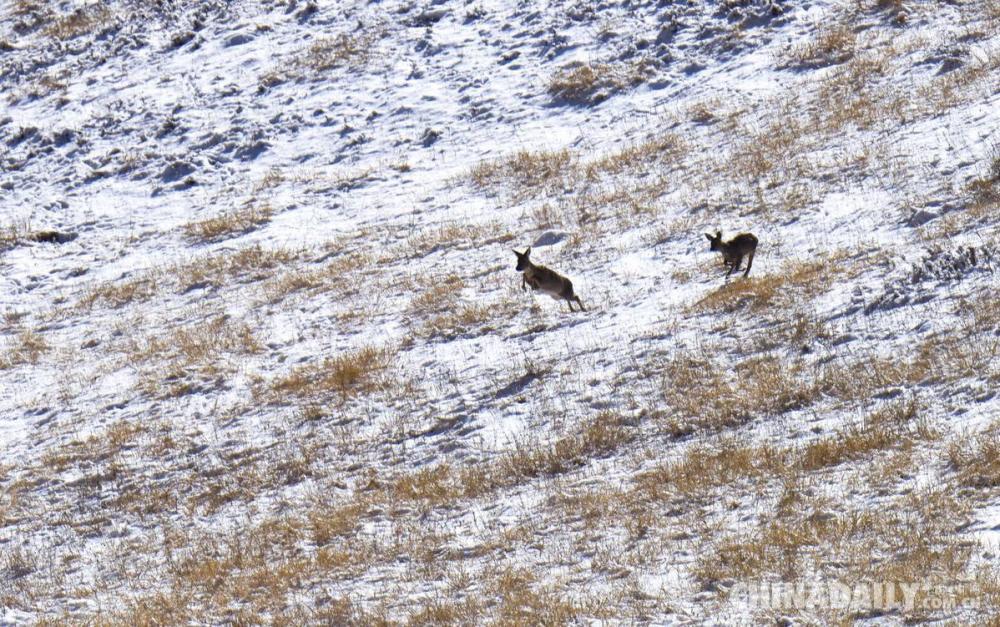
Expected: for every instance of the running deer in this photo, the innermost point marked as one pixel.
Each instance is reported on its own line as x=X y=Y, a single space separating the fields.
x=549 y=281
x=733 y=251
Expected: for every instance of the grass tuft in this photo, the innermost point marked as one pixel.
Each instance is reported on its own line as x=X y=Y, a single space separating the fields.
x=778 y=290
x=82 y=21
x=526 y=173
x=354 y=373
x=343 y=50
x=229 y=224
x=593 y=83
x=26 y=347
x=833 y=43
x=976 y=458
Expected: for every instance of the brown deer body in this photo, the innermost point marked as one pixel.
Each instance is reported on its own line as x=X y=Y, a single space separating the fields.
x=544 y=280
x=733 y=251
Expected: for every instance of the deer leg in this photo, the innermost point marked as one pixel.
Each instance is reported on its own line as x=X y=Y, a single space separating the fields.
x=580 y=303
x=749 y=265
x=524 y=284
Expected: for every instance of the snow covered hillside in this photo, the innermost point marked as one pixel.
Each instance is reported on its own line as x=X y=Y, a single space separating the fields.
x=265 y=357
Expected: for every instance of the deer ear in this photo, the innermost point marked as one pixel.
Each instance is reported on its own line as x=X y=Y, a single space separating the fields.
x=718 y=235
x=528 y=251
x=710 y=238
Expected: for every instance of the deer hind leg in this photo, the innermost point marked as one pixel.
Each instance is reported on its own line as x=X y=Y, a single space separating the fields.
x=568 y=294
x=734 y=264
x=749 y=263
x=579 y=302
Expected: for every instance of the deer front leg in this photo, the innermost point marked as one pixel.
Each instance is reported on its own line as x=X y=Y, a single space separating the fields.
x=524 y=284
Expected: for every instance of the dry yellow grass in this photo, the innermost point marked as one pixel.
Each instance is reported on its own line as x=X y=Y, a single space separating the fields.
x=705 y=467
x=990 y=10
x=706 y=111
x=600 y=436
x=525 y=601
x=833 y=42
x=466 y=318
x=81 y=21
x=81 y=453
x=879 y=5
x=200 y=353
x=252 y=263
x=702 y=393
x=667 y=148
x=979 y=313
x=976 y=458
x=271 y=179
x=708 y=465
x=339 y=275
x=437 y=297
x=946 y=357
x=242 y=479
x=368 y=523
x=26 y=7
x=599 y=186
x=229 y=224
x=456 y=236
x=353 y=373
x=353 y=50
x=118 y=294
x=436 y=484
x=346 y=49
x=262 y=566
x=938 y=359
x=245 y=265
x=773 y=150
x=13 y=233
x=201 y=341
x=910 y=540
x=968 y=83
x=593 y=82
x=895 y=426
x=775 y=291
x=985 y=190
x=526 y=173
x=856 y=93
x=26 y=347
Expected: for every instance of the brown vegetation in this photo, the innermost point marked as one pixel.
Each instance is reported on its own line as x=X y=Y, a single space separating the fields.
x=229 y=224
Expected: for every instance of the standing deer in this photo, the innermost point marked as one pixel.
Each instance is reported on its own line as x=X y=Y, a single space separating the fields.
x=733 y=251
x=549 y=281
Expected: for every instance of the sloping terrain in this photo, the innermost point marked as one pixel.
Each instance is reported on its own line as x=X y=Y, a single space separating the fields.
x=265 y=356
